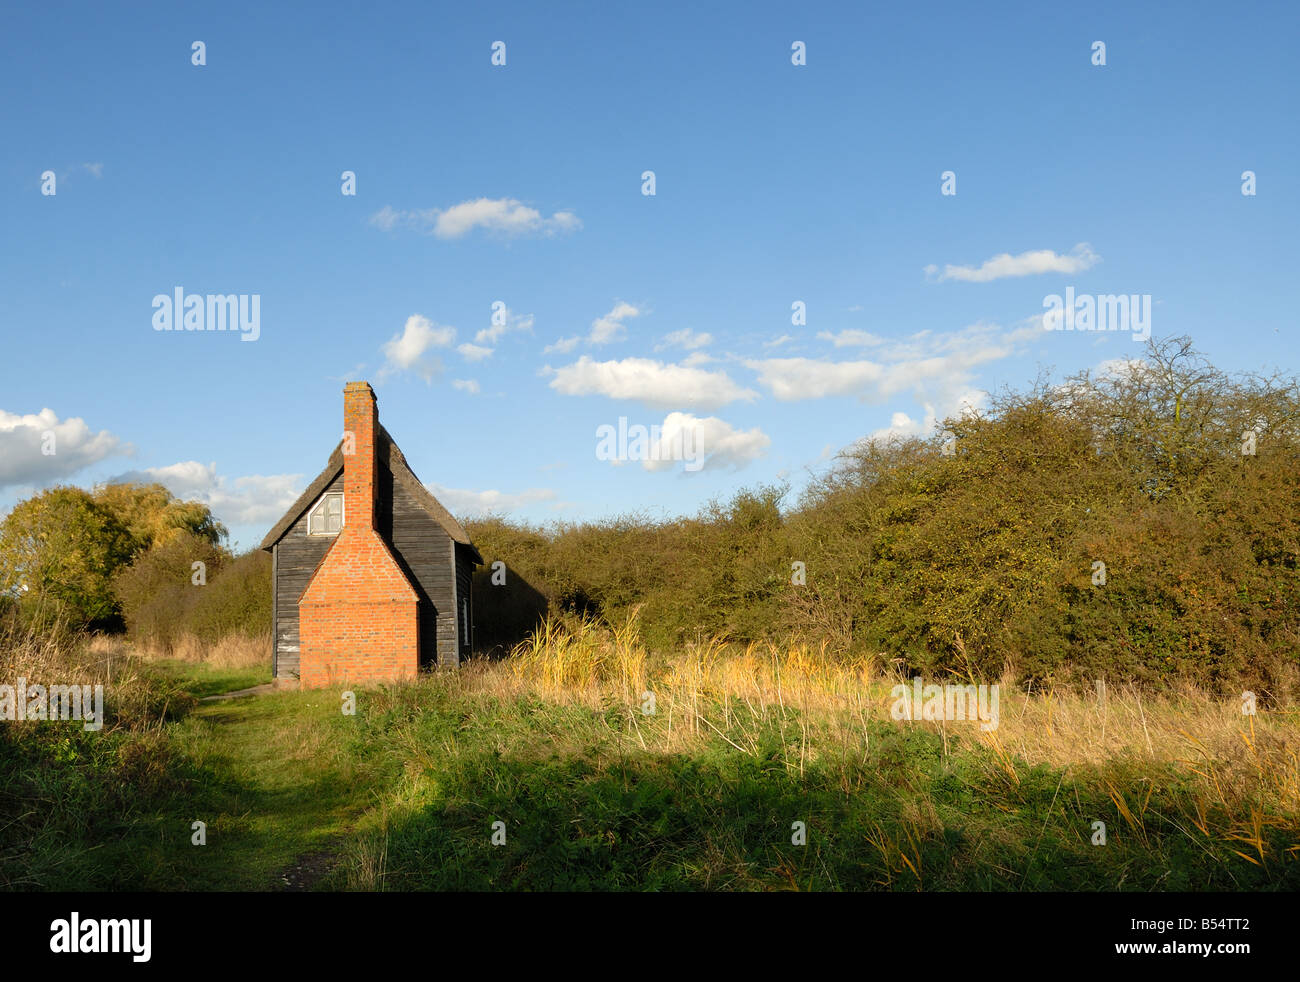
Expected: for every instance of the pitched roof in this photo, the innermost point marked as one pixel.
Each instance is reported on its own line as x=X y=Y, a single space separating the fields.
x=389 y=454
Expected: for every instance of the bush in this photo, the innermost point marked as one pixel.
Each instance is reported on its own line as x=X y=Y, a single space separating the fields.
x=237 y=600
x=59 y=552
x=986 y=558
x=163 y=605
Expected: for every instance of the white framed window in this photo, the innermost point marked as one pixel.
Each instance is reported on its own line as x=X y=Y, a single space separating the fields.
x=326 y=516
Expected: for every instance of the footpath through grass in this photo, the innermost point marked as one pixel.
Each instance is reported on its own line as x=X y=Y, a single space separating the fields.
x=594 y=795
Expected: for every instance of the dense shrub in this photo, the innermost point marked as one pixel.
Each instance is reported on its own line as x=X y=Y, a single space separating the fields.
x=162 y=602
x=237 y=600
x=59 y=551
x=982 y=554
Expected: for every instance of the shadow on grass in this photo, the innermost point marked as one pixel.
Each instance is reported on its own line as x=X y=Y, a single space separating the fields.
x=407 y=794
x=907 y=819
x=116 y=810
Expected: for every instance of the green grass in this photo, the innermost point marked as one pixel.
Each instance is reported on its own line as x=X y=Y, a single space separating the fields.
x=202 y=680
x=403 y=796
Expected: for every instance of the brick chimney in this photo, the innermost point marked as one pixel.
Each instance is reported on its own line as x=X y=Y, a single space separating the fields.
x=360 y=426
x=358 y=618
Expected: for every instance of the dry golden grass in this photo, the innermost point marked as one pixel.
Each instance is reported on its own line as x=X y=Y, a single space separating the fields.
x=1246 y=766
x=232 y=651
x=55 y=657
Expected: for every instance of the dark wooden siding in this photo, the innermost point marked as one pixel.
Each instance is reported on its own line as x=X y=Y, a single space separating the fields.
x=424 y=551
x=464 y=596
x=296 y=557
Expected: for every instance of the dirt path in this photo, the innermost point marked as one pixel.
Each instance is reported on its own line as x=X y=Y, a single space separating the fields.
x=278 y=685
x=309 y=869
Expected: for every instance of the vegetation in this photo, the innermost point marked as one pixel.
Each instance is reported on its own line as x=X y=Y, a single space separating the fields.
x=133 y=556
x=1118 y=554
x=1142 y=526
x=595 y=793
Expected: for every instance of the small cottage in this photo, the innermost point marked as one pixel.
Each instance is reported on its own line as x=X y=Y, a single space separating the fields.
x=371 y=576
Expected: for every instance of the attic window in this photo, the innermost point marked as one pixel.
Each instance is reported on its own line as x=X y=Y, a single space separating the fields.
x=327 y=517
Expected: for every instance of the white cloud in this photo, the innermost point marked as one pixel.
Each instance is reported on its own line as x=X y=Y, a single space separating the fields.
x=783 y=339
x=96 y=170
x=563 y=346
x=852 y=339
x=653 y=383
x=610 y=327
x=505 y=216
x=1081 y=257
x=464 y=503
x=790 y=379
x=407 y=351
x=714 y=441
x=1120 y=369
x=903 y=425
x=509 y=322
x=937 y=367
x=257 y=499
x=388 y=218
x=466 y=385
x=685 y=338
x=473 y=352
x=26 y=440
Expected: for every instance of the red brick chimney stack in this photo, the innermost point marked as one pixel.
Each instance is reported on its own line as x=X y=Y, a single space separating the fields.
x=360 y=428
x=358 y=618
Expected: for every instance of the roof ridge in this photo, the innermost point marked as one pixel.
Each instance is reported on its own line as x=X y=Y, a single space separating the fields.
x=391 y=454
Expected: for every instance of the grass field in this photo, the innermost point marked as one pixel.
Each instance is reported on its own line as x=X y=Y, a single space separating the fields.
x=594 y=793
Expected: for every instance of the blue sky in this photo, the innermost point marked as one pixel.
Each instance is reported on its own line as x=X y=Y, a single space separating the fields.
x=522 y=184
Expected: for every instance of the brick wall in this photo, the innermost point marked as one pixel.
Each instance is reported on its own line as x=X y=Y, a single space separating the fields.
x=358 y=616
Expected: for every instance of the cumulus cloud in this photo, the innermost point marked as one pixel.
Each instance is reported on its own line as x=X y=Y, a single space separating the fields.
x=503 y=216
x=473 y=352
x=408 y=349
x=562 y=346
x=38 y=449
x=790 y=379
x=258 y=499
x=610 y=327
x=465 y=503
x=503 y=324
x=651 y=382
x=1081 y=257
x=466 y=385
x=605 y=329
x=685 y=338
x=903 y=425
x=937 y=367
x=1120 y=369
x=852 y=339
x=715 y=442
